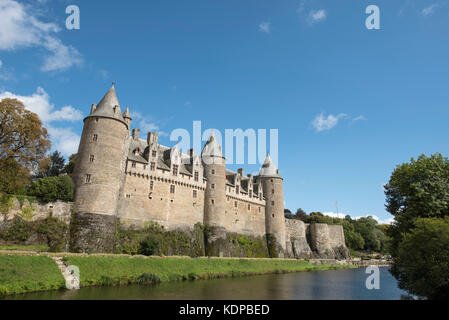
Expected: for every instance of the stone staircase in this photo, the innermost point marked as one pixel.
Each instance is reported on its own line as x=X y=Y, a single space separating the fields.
x=70 y=274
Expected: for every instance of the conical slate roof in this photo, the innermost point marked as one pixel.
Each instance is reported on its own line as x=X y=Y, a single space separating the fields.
x=127 y=114
x=268 y=168
x=212 y=148
x=109 y=106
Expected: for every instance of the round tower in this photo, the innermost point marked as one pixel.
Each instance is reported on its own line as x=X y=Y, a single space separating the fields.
x=214 y=197
x=272 y=185
x=98 y=176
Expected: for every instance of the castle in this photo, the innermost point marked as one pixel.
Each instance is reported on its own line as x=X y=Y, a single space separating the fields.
x=122 y=178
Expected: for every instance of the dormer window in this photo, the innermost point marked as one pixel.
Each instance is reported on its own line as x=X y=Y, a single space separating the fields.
x=250 y=193
x=237 y=189
x=197 y=176
x=153 y=153
x=175 y=169
x=137 y=151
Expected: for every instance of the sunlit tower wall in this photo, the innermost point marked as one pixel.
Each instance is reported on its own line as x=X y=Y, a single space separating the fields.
x=272 y=184
x=98 y=176
x=215 y=198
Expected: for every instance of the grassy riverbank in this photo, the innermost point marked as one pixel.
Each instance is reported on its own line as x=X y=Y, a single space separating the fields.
x=20 y=274
x=122 y=270
x=24 y=273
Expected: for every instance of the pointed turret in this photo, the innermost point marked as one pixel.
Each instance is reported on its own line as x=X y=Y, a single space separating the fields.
x=127 y=117
x=212 y=148
x=109 y=107
x=272 y=185
x=269 y=169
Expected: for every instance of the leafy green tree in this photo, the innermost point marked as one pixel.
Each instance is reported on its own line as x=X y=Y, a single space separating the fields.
x=50 y=189
x=23 y=144
x=52 y=166
x=70 y=167
x=422 y=261
x=417 y=189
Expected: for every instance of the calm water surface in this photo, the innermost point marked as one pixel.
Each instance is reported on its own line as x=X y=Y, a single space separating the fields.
x=336 y=285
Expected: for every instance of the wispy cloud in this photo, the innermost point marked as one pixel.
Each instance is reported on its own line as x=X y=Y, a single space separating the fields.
x=310 y=15
x=359 y=118
x=324 y=123
x=21 y=28
x=63 y=138
x=146 y=125
x=265 y=27
x=316 y=16
x=428 y=11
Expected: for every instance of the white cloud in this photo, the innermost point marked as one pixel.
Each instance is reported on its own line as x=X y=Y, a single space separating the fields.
x=145 y=125
x=19 y=28
x=428 y=11
x=359 y=118
x=63 y=138
x=265 y=27
x=39 y=103
x=317 y=15
x=322 y=123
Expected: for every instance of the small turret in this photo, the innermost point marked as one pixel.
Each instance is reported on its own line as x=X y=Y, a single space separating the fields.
x=127 y=117
x=272 y=185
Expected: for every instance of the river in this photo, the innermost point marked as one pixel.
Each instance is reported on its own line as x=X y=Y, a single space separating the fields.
x=321 y=285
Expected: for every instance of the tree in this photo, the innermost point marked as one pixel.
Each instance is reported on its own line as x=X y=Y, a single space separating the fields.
x=301 y=215
x=52 y=166
x=417 y=189
x=23 y=144
x=13 y=176
x=70 y=167
x=422 y=261
x=50 y=189
x=22 y=136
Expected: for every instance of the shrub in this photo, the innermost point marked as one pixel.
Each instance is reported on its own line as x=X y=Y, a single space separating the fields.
x=149 y=246
x=50 y=189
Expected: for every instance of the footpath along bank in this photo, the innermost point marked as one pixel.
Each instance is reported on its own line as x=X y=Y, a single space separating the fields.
x=22 y=272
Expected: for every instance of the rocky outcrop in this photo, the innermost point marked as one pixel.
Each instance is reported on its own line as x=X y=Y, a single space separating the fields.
x=328 y=241
x=318 y=240
x=296 y=241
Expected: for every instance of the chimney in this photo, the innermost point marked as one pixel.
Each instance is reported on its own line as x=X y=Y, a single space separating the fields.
x=136 y=133
x=240 y=171
x=94 y=107
x=152 y=139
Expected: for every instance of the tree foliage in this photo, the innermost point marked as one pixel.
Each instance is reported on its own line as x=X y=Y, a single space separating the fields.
x=422 y=262
x=417 y=189
x=50 y=189
x=23 y=144
x=418 y=197
x=52 y=166
x=70 y=167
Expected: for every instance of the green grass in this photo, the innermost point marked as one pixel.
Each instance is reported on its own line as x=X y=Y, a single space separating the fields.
x=127 y=270
x=33 y=247
x=20 y=274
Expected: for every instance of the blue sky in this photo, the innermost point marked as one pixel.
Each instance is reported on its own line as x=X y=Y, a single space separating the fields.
x=350 y=103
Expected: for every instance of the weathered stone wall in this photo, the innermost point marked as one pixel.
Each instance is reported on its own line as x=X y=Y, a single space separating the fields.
x=38 y=211
x=244 y=216
x=328 y=241
x=296 y=240
x=139 y=204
